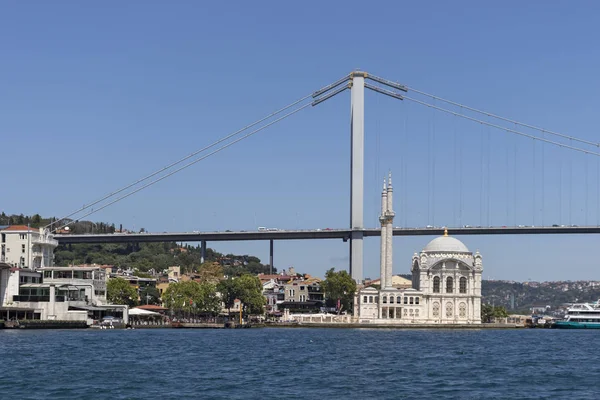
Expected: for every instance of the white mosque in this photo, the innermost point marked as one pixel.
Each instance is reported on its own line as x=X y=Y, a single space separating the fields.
x=446 y=281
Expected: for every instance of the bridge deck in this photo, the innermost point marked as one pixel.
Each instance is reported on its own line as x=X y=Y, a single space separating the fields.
x=312 y=234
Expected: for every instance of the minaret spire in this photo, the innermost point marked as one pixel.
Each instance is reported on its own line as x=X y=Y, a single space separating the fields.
x=383 y=249
x=389 y=232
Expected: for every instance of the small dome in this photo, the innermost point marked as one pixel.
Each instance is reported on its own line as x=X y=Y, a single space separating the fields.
x=446 y=244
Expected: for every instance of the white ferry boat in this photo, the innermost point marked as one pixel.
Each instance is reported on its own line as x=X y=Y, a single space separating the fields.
x=581 y=316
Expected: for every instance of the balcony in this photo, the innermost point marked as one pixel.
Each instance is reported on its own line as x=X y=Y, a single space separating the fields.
x=35 y=299
x=44 y=241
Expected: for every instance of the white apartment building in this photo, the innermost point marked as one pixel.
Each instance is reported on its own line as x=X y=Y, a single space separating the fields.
x=25 y=247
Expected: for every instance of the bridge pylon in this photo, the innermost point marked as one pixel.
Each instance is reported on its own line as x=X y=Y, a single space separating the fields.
x=357 y=155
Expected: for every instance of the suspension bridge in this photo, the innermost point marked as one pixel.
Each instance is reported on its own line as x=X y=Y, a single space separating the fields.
x=546 y=143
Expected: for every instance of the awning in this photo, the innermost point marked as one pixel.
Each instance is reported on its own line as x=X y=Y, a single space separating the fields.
x=139 y=311
x=35 y=285
x=68 y=287
x=87 y=308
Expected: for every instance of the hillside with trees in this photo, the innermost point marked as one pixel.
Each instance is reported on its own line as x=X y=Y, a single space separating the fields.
x=157 y=256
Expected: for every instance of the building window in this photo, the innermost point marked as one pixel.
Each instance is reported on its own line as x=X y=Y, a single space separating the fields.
x=462 y=310
x=301 y=287
x=463 y=285
x=376 y=299
x=449 y=285
x=399 y=300
x=411 y=301
x=365 y=299
x=417 y=312
x=406 y=300
x=449 y=308
x=22 y=248
x=384 y=300
x=370 y=299
x=436 y=284
x=416 y=300
x=22 y=236
x=391 y=299
x=436 y=309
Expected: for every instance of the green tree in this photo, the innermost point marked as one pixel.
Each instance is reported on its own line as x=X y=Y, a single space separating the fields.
x=119 y=291
x=339 y=285
x=248 y=289
x=150 y=295
x=489 y=312
x=192 y=297
x=211 y=272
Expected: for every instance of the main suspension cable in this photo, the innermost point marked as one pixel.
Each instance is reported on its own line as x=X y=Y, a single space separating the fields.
x=503 y=118
x=191 y=163
x=181 y=160
x=503 y=128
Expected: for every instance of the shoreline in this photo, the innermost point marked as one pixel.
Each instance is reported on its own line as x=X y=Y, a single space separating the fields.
x=342 y=325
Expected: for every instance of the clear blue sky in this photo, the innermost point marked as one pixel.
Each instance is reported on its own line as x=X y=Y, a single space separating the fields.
x=94 y=96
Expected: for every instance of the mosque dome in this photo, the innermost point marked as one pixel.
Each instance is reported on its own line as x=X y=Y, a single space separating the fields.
x=446 y=244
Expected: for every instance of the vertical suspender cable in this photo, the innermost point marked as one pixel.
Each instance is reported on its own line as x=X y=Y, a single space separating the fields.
x=507 y=172
x=534 y=173
x=481 y=176
x=489 y=157
x=560 y=191
x=428 y=170
x=515 y=182
x=460 y=177
x=570 y=185
x=433 y=197
x=377 y=161
x=585 y=158
x=543 y=178
x=455 y=165
x=598 y=191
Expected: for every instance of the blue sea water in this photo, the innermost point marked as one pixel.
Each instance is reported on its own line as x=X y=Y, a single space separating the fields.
x=299 y=363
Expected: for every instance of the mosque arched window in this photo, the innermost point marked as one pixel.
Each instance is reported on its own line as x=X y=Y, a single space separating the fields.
x=370 y=299
x=462 y=285
x=436 y=284
x=411 y=300
x=416 y=300
x=391 y=299
x=365 y=299
x=449 y=285
x=384 y=299
x=406 y=300
x=398 y=300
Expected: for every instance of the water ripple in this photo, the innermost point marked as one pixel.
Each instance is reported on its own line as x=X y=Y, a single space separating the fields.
x=299 y=364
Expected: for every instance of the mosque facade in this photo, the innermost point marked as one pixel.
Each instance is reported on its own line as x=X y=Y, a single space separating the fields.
x=446 y=281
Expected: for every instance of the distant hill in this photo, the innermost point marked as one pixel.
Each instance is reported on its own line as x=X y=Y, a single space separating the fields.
x=141 y=256
x=524 y=295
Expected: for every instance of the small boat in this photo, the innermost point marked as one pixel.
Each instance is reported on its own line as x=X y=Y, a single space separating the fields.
x=581 y=316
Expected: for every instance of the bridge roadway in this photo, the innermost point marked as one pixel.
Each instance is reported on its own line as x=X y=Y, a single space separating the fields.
x=343 y=234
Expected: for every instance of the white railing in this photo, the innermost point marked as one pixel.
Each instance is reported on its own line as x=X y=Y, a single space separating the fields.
x=44 y=240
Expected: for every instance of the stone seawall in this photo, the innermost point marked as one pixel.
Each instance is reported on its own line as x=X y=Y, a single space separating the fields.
x=342 y=325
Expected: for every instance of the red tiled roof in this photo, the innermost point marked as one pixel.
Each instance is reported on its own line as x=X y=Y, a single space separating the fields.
x=20 y=228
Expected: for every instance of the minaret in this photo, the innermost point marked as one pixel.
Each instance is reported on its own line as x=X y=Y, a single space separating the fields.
x=389 y=231
x=382 y=220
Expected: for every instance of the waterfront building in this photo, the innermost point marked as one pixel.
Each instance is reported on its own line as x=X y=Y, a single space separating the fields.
x=446 y=281
x=69 y=294
x=25 y=247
